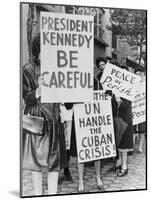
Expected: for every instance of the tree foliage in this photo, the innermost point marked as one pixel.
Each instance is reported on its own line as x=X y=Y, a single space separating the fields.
x=130 y=23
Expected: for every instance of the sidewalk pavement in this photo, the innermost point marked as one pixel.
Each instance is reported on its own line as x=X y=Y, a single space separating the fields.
x=136 y=178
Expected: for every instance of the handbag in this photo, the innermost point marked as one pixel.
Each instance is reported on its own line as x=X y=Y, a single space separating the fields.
x=32 y=124
x=119 y=128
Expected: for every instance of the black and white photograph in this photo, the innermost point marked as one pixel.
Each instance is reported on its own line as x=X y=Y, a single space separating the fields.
x=83 y=72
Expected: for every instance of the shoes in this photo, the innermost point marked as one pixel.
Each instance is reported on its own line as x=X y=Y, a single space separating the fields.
x=130 y=153
x=67 y=175
x=140 y=151
x=122 y=172
x=101 y=187
x=114 y=168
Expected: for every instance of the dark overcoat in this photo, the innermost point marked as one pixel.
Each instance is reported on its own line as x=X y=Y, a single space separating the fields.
x=40 y=152
x=125 y=112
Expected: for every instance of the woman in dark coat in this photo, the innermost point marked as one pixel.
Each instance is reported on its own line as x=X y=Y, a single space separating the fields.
x=125 y=112
x=40 y=153
x=126 y=143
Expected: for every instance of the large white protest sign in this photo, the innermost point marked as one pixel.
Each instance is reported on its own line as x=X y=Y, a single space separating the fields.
x=139 y=105
x=66 y=57
x=120 y=81
x=94 y=129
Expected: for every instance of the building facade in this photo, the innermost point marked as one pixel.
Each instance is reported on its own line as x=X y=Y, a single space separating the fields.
x=102 y=36
x=30 y=25
x=127 y=54
x=30 y=19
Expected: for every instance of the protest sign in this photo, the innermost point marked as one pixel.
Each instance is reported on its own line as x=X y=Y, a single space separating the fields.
x=139 y=105
x=66 y=57
x=94 y=129
x=122 y=82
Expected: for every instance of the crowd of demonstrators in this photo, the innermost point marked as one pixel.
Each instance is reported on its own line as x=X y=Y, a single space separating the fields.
x=52 y=150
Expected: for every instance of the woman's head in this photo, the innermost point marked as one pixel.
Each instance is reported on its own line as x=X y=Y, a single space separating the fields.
x=100 y=63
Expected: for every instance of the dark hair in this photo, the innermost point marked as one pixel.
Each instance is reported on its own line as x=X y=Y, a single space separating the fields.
x=36 y=46
x=124 y=67
x=114 y=61
x=138 y=70
x=99 y=59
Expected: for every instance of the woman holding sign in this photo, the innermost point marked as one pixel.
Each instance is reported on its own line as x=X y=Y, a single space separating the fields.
x=140 y=128
x=40 y=152
x=126 y=144
x=100 y=63
x=73 y=152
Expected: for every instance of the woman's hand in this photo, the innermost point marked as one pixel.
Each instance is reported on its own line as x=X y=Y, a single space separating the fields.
x=38 y=92
x=41 y=81
x=119 y=100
